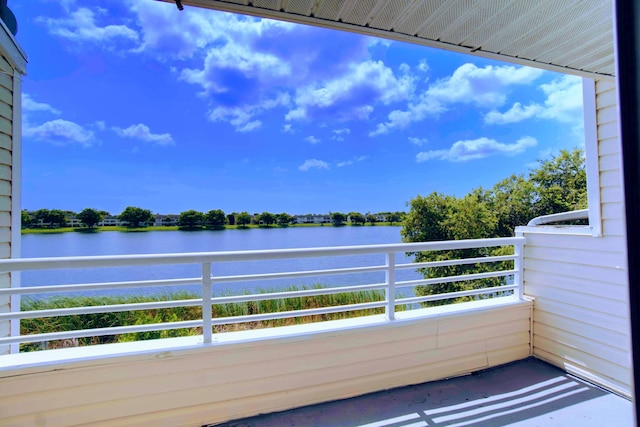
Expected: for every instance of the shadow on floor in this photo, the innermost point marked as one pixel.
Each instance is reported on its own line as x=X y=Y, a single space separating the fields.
x=525 y=393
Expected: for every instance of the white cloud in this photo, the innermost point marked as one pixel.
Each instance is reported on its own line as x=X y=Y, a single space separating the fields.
x=516 y=113
x=355 y=92
x=564 y=99
x=313 y=164
x=28 y=104
x=338 y=134
x=418 y=141
x=239 y=58
x=60 y=132
x=143 y=133
x=249 y=126
x=181 y=35
x=485 y=87
x=287 y=128
x=479 y=148
x=312 y=139
x=242 y=117
x=352 y=161
x=563 y=103
x=81 y=26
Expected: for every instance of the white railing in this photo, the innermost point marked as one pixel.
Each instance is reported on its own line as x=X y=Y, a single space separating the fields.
x=207 y=281
x=559 y=217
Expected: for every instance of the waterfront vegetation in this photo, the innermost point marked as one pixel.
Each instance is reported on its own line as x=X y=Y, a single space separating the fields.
x=163 y=315
x=177 y=227
x=137 y=219
x=557 y=185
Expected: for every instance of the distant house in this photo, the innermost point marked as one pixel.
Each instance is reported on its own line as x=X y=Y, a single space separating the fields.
x=111 y=221
x=165 y=220
x=74 y=222
x=312 y=219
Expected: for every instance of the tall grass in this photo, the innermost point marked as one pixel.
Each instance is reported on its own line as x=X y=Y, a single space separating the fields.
x=163 y=315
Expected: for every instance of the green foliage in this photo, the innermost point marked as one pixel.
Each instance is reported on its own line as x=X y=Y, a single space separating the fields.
x=54 y=217
x=90 y=217
x=26 y=219
x=215 y=218
x=41 y=214
x=338 y=218
x=267 y=218
x=191 y=218
x=557 y=185
x=57 y=218
x=135 y=216
x=243 y=219
x=371 y=218
x=166 y=315
x=561 y=183
x=394 y=217
x=284 y=219
x=356 y=218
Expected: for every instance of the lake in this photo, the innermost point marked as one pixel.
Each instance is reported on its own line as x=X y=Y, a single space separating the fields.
x=115 y=243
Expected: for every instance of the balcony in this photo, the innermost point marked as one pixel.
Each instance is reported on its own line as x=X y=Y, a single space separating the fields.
x=213 y=377
x=523 y=393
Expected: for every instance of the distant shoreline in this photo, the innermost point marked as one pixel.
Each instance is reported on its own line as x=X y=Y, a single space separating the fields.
x=187 y=229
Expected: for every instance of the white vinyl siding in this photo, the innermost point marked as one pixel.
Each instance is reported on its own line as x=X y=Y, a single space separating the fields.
x=580 y=282
x=223 y=381
x=6 y=137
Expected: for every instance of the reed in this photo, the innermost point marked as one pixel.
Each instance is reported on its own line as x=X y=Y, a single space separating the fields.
x=164 y=315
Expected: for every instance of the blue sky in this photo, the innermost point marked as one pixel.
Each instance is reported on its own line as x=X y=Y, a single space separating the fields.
x=138 y=104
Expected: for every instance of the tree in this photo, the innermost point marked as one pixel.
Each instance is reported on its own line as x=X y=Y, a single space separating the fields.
x=557 y=185
x=215 y=218
x=371 y=218
x=338 y=218
x=90 y=217
x=513 y=202
x=267 y=218
x=135 y=216
x=561 y=183
x=356 y=218
x=393 y=217
x=231 y=218
x=41 y=215
x=57 y=217
x=243 y=219
x=441 y=217
x=26 y=219
x=284 y=219
x=191 y=218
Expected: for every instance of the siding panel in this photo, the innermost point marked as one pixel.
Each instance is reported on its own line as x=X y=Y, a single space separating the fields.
x=580 y=283
x=7 y=94
x=216 y=383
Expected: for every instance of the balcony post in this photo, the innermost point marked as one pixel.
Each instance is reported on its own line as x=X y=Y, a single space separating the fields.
x=518 y=277
x=390 y=274
x=207 y=335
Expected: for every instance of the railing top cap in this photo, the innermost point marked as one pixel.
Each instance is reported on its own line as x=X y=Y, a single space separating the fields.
x=15 y=264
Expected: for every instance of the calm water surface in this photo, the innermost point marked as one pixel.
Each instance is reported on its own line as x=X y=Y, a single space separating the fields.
x=113 y=243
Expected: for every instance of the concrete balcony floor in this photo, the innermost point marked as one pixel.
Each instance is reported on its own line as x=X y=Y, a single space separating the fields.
x=525 y=393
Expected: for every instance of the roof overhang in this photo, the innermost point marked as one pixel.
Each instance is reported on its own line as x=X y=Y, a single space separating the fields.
x=574 y=37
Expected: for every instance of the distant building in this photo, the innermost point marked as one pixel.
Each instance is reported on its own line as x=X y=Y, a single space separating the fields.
x=166 y=220
x=111 y=221
x=312 y=219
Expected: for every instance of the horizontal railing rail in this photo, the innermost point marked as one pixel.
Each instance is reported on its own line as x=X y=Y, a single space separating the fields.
x=208 y=281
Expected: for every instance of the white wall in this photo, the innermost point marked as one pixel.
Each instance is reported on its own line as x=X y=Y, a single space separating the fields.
x=580 y=283
x=12 y=65
x=244 y=373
